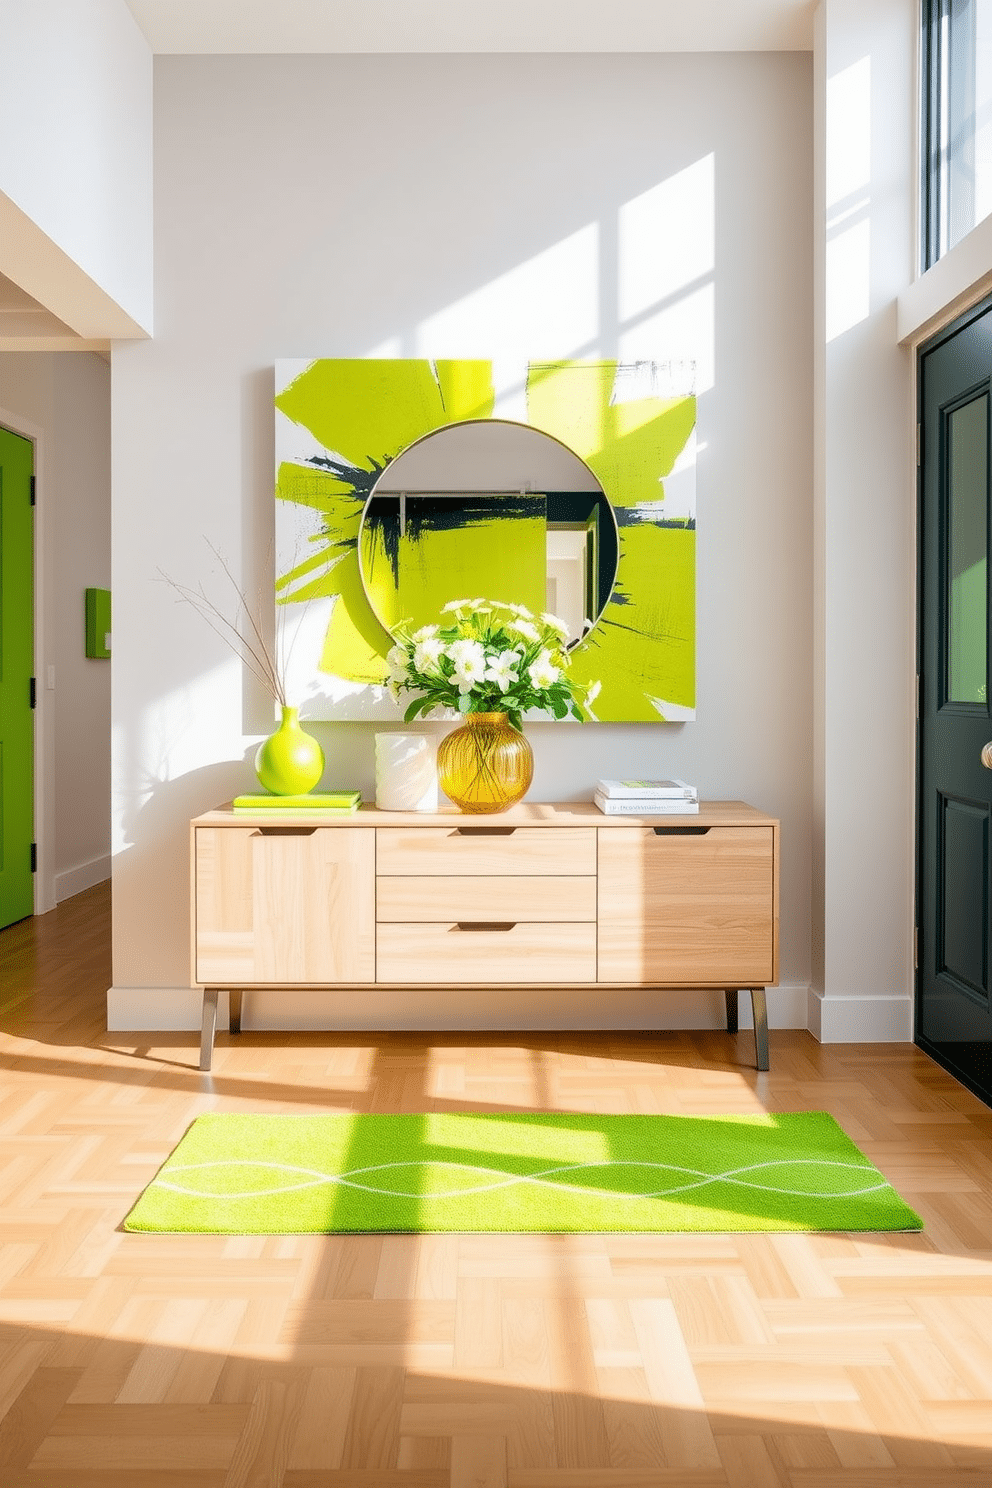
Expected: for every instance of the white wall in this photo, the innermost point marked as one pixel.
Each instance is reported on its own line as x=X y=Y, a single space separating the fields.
x=63 y=401
x=76 y=162
x=573 y=206
x=865 y=641
x=81 y=474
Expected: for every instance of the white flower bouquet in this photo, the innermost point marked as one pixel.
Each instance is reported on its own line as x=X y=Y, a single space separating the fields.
x=488 y=657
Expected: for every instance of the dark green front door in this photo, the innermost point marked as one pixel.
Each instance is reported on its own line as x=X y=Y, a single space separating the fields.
x=16 y=667
x=954 y=902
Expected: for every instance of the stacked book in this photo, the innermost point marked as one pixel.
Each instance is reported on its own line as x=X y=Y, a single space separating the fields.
x=315 y=803
x=646 y=798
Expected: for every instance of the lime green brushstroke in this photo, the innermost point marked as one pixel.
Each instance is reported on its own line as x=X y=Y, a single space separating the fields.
x=648 y=650
x=355 y=643
x=629 y=447
x=369 y=411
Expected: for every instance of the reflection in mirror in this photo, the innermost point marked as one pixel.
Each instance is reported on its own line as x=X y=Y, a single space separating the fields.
x=554 y=550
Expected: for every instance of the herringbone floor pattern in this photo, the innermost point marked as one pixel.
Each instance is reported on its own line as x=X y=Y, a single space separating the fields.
x=768 y=1361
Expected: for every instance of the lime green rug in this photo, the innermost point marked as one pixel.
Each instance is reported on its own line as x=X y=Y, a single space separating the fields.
x=540 y=1172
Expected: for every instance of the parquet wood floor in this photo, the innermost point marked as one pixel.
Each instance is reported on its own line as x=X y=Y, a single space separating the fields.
x=709 y=1361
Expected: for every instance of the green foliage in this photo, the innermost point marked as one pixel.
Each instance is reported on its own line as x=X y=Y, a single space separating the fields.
x=486 y=657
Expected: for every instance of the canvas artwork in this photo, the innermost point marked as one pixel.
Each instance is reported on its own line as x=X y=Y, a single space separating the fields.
x=356 y=554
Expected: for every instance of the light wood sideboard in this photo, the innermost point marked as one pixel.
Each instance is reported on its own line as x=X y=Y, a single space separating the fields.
x=540 y=895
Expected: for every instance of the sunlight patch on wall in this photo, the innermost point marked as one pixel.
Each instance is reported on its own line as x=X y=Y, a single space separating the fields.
x=168 y=739
x=687 y=331
x=848 y=198
x=667 y=262
x=549 y=304
x=667 y=238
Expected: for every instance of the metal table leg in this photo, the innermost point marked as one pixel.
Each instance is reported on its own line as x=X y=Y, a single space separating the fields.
x=209 y=1026
x=760 y=1012
x=235 y=1012
x=731 y=997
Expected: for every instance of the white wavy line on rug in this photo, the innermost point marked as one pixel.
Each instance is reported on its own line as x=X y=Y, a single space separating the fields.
x=545 y=1179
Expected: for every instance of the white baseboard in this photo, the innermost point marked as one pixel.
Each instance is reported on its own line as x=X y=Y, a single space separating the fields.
x=75 y=880
x=158 y=1009
x=434 y=1009
x=860 y=1020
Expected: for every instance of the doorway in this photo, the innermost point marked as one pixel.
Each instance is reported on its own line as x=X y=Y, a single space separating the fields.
x=954 y=811
x=16 y=678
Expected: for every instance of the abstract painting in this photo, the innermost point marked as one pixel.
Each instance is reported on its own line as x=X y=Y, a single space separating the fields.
x=354 y=557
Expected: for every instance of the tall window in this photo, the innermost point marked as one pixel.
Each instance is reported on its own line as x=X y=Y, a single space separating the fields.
x=957 y=121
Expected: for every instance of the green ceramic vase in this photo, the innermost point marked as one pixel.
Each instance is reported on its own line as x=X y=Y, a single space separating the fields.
x=289 y=762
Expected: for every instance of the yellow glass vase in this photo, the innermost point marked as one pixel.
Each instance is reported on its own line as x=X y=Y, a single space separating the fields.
x=486 y=764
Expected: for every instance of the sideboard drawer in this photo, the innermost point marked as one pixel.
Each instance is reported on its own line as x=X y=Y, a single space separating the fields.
x=688 y=905
x=477 y=952
x=486 y=898
x=452 y=851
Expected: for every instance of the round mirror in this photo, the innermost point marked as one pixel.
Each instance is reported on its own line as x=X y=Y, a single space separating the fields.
x=488 y=509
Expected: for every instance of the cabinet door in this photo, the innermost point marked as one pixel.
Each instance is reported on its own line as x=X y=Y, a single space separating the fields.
x=285 y=904
x=688 y=906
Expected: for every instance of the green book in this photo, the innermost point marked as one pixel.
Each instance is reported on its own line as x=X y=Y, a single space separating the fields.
x=316 y=801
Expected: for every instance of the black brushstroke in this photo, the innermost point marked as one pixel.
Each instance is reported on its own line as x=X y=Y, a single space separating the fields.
x=632 y=516
x=357 y=479
x=443 y=514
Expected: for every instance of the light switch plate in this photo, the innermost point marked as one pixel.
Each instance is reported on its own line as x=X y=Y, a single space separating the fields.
x=98 y=623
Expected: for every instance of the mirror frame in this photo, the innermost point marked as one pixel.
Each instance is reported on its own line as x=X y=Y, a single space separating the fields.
x=387 y=477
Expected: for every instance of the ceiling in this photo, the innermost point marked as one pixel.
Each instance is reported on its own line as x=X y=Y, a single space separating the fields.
x=268 y=26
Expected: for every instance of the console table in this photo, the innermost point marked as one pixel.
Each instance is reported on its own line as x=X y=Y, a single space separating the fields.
x=538 y=895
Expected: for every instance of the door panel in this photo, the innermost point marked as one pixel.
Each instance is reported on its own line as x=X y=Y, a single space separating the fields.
x=16 y=667
x=954 y=905
x=963 y=851
x=278 y=904
x=967 y=515
x=695 y=909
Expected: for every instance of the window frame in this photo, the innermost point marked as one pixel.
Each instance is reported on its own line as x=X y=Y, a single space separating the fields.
x=932 y=15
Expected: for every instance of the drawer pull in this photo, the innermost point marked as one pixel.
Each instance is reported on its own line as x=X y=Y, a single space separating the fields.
x=284 y=831
x=485 y=831
x=472 y=925
x=680 y=831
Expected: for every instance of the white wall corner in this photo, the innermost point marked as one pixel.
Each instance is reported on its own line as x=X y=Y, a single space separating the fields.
x=865 y=561
x=48 y=272
x=74 y=880
x=76 y=163
x=158 y=1009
